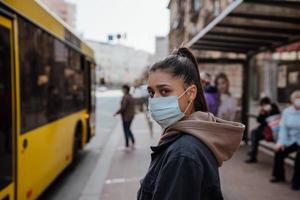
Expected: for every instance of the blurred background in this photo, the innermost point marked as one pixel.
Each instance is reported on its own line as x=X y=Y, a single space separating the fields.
x=63 y=64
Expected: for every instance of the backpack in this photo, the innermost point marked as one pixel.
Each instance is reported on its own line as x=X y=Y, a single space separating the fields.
x=272 y=129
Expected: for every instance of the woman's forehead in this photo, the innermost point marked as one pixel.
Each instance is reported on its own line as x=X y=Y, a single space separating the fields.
x=163 y=78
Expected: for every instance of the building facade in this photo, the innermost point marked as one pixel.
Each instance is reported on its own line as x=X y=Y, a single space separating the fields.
x=161 y=48
x=187 y=18
x=275 y=74
x=119 y=64
x=65 y=10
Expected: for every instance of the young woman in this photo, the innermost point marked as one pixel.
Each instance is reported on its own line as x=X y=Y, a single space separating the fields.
x=288 y=142
x=228 y=105
x=194 y=143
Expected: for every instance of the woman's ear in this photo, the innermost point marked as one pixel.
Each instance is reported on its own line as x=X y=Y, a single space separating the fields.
x=192 y=92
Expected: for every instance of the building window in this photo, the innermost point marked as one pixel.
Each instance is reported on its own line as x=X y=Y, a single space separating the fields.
x=196 y=5
x=217 y=7
x=176 y=24
x=195 y=10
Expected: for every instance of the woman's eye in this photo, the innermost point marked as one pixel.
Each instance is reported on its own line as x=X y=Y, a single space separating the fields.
x=164 y=92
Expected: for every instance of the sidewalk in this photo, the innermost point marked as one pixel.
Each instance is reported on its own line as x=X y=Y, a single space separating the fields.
x=118 y=172
x=129 y=166
x=241 y=181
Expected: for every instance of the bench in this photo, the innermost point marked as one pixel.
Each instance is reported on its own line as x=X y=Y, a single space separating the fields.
x=268 y=148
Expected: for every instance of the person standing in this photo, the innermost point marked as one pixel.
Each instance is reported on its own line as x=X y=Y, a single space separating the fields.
x=211 y=94
x=228 y=104
x=194 y=143
x=288 y=142
x=267 y=108
x=127 y=112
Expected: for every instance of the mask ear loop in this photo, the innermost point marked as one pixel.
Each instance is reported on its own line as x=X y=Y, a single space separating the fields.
x=184 y=93
x=187 y=107
x=189 y=103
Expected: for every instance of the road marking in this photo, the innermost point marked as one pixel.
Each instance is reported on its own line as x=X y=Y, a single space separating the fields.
x=109 y=93
x=122 y=180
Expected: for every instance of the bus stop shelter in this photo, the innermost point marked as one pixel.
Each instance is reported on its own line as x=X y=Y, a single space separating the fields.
x=249 y=27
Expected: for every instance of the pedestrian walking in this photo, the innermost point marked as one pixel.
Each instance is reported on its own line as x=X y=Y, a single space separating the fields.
x=127 y=112
x=194 y=143
x=267 y=108
x=288 y=142
x=211 y=94
x=228 y=104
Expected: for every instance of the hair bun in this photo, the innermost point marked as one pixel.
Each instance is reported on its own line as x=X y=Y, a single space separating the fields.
x=183 y=51
x=186 y=53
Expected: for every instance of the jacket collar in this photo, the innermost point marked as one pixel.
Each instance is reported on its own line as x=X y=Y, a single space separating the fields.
x=165 y=144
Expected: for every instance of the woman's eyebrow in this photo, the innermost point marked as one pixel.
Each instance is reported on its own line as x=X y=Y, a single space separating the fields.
x=162 y=85
x=158 y=86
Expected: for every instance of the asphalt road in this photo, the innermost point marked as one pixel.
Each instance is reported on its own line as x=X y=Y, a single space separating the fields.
x=71 y=182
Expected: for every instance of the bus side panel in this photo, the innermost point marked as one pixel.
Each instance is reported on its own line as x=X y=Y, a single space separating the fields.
x=44 y=153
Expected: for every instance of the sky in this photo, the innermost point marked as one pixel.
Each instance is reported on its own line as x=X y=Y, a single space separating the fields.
x=141 y=20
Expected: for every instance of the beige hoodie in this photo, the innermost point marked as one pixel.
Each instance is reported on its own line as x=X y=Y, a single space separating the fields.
x=221 y=136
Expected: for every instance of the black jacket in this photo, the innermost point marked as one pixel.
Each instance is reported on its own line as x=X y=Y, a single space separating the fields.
x=261 y=118
x=182 y=168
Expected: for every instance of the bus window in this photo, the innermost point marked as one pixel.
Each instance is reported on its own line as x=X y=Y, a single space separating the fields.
x=5 y=109
x=52 y=84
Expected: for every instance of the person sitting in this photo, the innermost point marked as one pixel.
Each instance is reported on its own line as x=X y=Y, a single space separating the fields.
x=267 y=108
x=288 y=142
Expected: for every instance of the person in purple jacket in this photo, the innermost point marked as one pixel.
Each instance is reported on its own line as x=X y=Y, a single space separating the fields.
x=210 y=92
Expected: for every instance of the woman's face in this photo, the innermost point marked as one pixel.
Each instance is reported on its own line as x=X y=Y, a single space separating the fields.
x=163 y=84
x=222 y=85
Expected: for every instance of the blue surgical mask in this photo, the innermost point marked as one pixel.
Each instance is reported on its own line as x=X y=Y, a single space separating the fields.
x=297 y=103
x=165 y=110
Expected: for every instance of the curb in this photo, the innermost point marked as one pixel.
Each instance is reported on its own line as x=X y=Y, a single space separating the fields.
x=94 y=186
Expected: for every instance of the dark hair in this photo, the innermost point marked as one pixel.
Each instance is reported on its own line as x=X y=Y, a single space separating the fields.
x=126 y=87
x=182 y=63
x=265 y=100
x=222 y=76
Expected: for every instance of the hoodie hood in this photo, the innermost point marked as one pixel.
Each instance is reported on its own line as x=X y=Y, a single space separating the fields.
x=222 y=137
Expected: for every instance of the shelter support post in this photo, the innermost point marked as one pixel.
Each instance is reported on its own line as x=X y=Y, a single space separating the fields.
x=246 y=96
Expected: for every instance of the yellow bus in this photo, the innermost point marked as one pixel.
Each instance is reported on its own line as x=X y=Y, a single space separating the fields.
x=46 y=101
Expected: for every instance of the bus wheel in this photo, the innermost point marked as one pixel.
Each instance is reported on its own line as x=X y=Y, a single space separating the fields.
x=77 y=142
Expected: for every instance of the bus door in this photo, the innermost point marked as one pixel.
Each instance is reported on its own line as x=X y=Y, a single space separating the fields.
x=7 y=184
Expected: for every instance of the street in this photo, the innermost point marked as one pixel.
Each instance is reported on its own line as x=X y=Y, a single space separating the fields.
x=108 y=171
x=71 y=182
x=75 y=77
